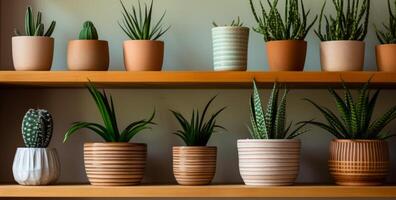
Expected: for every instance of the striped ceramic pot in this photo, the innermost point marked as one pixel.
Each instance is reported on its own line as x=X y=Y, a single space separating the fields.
x=269 y=162
x=115 y=164
x=230 y=48
x=194 y=165
x=359 y=162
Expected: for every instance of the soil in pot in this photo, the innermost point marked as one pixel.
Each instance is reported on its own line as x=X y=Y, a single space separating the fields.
x=386 y=59
x=286 y=55
x=339 y=56
x=88 y=55
x=143 y=55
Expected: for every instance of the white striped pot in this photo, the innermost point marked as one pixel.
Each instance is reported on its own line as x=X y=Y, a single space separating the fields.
x=269 y=162
x=230 y=48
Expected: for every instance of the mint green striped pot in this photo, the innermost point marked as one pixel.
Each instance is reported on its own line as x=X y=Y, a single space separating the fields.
x=230 y=48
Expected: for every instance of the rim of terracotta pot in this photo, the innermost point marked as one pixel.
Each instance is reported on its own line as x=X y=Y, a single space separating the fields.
x=100 y=41
x=358 y=140
x=283 y=41
x=114 y=143
x=269 y=140
x=194 y=147
x=33 y=37
x=342 y=41
x=153 y=41
x=385 y=45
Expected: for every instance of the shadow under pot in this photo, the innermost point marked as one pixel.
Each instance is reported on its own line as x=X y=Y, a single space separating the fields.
x=269 y=162
x=343 y=55
x=32 y=53
x=194 y=165
x=286 y=55
x=143 y=55
x=115 y=164
x=386 y=57
x=88 y=55
x=36 y=166
x=359 y=162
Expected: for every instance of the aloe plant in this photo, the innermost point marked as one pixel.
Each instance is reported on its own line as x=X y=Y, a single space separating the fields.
x=109 y=131
x=35 y=27
x=388 y=36
x=234 y=23
x=293 y=26
x=271 y=124
x=349 y=23
x=197 y=131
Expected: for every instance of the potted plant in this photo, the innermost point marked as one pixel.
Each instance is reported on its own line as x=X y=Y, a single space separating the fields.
x=342 y=47
x=33 y=51
x=88 y=53
x=144 y=51
x=286 y=48
x=195 y=163
x=36 y=164
x=386 y=52
x=230 y=46
x=272 y=157
x=360 y=154
x=115 y=162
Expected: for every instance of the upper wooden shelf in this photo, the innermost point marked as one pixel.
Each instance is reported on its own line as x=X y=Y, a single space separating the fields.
x=193 y=79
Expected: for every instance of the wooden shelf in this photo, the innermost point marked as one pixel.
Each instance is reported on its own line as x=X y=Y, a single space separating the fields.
x=212 y=191
x=192 y=79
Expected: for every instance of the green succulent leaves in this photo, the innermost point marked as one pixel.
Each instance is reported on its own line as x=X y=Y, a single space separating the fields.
x=88 y=32
x=234 y=23
x=37 y=127
x=35 y=27
x=388 y=35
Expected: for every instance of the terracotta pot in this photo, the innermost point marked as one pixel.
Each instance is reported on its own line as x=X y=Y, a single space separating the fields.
x=115 y=164
x=269 y=162
x=32 y=53
x=143 y=55
x=359 y=162
x=88 y=55
x=338 y=56
x=230 y=48
x=386 y=57
x=286 y=55
x=194 y=165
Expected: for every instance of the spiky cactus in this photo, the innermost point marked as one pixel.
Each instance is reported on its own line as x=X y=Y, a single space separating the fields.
x=37 y=128
x=35 y=27
x=88 y=32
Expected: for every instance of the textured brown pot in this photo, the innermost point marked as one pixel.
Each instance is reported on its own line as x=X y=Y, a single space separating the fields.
x=343 y=55
x=115 y=164
x=143 y=55
x=286 y=55
x=386 y=57
x=32 y=53
x=194 y=165
x=359 y=162
x=88 y=55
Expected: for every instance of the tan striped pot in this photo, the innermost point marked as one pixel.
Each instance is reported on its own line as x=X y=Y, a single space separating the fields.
x=115 y=164
x=269 y=162
x=194 y=165
x=359 y=162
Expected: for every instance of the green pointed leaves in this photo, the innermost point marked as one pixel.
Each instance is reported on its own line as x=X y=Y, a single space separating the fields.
x=35 y=27
x=388 y=34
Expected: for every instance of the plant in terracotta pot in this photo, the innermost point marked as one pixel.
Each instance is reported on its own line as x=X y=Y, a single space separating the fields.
x=88 y=53
x=33 y=50
x=360 y=154
x=342 y=47
x=36 y=164
x=115 y=162
x=286 y=48
x=144 y=51
x=195 y=163
x=230 y=46
x=272 y=157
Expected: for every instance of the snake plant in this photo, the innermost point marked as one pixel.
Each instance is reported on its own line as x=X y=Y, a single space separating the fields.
x=35 y=27
x=388 y=36
x=234 y=23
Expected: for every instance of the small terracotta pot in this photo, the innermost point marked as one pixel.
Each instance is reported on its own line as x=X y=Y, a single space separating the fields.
x=386 y=57
x=115 y=164
x=143 y=55
x=359 y=162
x=88 y=55
x=32 y=53
x=286 y=55
x=194 y=165
x=269 y=162
x=343 y=55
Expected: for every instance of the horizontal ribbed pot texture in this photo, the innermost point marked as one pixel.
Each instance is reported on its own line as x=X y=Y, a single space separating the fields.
x=269 y=162
x=386 y=59
x=143 y=55
x=342 y=55
x=88 y=55
x=286 y=55
x=194 y=165
x=115 y=164
x=359 y=162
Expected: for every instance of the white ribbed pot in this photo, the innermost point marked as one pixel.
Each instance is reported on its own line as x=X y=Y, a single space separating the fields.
x=230 y=48
x=269 y=162
x=36 y=166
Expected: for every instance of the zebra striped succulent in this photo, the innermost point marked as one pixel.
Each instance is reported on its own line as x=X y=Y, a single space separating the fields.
x=37 y=127
x=388 y=36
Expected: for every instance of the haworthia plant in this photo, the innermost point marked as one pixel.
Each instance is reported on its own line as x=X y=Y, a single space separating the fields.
x=35 y=27
x=388 y=36
x=234 y=23
x=37 y=127
x=88 y=32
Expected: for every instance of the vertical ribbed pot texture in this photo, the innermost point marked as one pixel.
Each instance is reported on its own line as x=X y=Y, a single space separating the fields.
x=386 y=57
x=88 y=55
x=269 y=162
x=143 y=55
x=286 y=55
x=194 y=165
x=230 y=48
x=359 y=162
x=115 y=164
x=342 y=55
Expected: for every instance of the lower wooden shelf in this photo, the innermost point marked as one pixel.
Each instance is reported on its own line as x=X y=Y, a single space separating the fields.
x=211 y=191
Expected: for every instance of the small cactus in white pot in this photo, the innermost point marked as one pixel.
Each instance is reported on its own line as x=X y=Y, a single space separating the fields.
x=36 y=164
